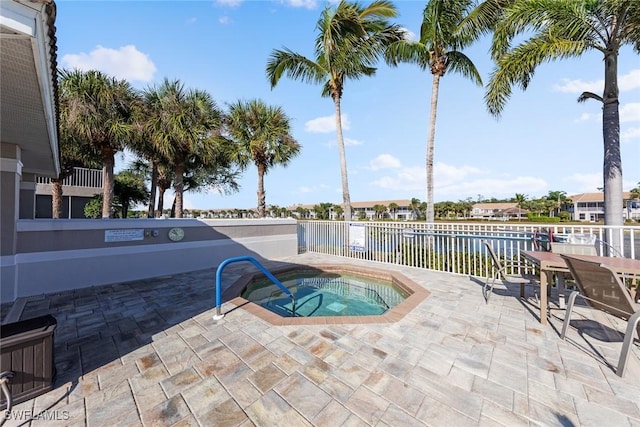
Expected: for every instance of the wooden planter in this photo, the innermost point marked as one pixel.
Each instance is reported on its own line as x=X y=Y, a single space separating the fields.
x=26 y=350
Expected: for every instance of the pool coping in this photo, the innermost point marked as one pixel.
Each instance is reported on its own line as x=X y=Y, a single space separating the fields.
x=417 y=294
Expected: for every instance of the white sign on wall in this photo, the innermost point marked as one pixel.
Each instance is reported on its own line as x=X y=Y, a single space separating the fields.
x=127 y=235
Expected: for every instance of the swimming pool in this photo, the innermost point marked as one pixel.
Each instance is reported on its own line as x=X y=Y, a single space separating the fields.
x=327 y=294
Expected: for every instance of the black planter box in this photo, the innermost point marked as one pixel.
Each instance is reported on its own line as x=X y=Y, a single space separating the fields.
x=26 y=350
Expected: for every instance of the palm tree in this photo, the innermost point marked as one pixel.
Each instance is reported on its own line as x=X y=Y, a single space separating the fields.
x=393 y=208
x=186 y=124
x=635 y=192
x=439 y=50
x=350 y=40
x=520 y=201
x=97 y=112
x=262 y=135
x=559 y=198
x=379 y=210
x=129 y=189
x=559 y=29
x=414 y=206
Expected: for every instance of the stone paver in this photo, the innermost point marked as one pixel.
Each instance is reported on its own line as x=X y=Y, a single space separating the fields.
x=149 y=353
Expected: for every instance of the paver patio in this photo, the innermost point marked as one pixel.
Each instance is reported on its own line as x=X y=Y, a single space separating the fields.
x=150 y=353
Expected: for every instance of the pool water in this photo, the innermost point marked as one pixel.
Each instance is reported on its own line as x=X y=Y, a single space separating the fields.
x=326 y=294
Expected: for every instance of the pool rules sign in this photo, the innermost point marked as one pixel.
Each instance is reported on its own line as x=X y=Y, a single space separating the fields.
x=357 y=237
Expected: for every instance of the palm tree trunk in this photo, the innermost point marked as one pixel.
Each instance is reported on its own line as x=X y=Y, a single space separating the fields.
x=56 y=198
x=612 y=168
x=125 y=209
x=262 y=202
x=346 y=198
x=108 y=161
x=161 y=191
x=178 y=186
x=431 y=146
x=154 y=186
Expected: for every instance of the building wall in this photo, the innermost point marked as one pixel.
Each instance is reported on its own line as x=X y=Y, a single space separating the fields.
x=58 y=255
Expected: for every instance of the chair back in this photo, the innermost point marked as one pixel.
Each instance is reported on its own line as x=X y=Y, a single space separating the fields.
x=574 y=248
x=602 y=287
x=581 y=239
x=497 y=265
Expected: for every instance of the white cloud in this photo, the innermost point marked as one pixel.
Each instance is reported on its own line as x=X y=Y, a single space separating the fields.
x=587 y=182
x=629 y=81
x=384 y=161
x=585 y=117
x=309 y=4
x=578 y=86
x=629 y=134
x=326 y=124
x=351 y=142
x=312 y=189
x=446 y=174
x=125 y=63
x=224 y=20
x=626 y=82
x=408 y=34
x=497 y=187
x=408 y=178
x=458 y=182
x=348 y=142
x=229 y=3
x=630 y=112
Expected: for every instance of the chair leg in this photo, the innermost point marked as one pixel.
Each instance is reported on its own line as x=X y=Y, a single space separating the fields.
x=567 y=313
x=628 y=339
x=487 y=290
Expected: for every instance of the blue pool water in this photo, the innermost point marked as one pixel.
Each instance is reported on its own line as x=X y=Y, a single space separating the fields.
x=325 y=294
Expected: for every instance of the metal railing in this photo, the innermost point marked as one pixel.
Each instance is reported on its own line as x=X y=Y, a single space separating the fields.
x=450 y=247
x=82 y=177
x=260 y=267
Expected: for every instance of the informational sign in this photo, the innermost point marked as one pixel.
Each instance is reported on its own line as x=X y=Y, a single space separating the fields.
x=127 y=235
x=357 y=237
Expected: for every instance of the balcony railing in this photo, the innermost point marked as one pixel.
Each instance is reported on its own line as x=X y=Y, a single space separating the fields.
x=82 y=177
x=451 y=247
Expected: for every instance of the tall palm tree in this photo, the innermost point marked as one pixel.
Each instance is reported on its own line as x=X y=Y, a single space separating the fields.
x=440 y=50
x=263 y=136
x=97 y=112
x=559 y=29
x=350 y=40
x=186 y=123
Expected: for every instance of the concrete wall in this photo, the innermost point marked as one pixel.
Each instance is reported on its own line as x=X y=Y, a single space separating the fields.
x=57 y=255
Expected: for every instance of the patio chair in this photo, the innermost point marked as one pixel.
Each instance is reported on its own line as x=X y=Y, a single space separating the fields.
x=603 y=289
x=502 y=271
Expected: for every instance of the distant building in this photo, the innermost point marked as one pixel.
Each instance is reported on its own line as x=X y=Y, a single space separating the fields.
x=590 y=207
x=365 y=210
x=498 y=210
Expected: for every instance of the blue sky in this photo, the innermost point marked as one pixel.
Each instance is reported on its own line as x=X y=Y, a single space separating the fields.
x=544 y=141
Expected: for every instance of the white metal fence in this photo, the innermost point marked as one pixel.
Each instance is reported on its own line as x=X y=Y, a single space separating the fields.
x=451 y=247
x=82 y=177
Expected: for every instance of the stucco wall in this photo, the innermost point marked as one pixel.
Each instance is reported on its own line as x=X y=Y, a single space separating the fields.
x=57 y=255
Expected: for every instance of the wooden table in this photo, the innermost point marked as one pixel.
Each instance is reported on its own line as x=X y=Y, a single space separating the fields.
x=549 y=263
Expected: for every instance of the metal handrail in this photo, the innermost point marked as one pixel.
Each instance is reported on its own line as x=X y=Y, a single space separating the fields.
x=260 y=267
